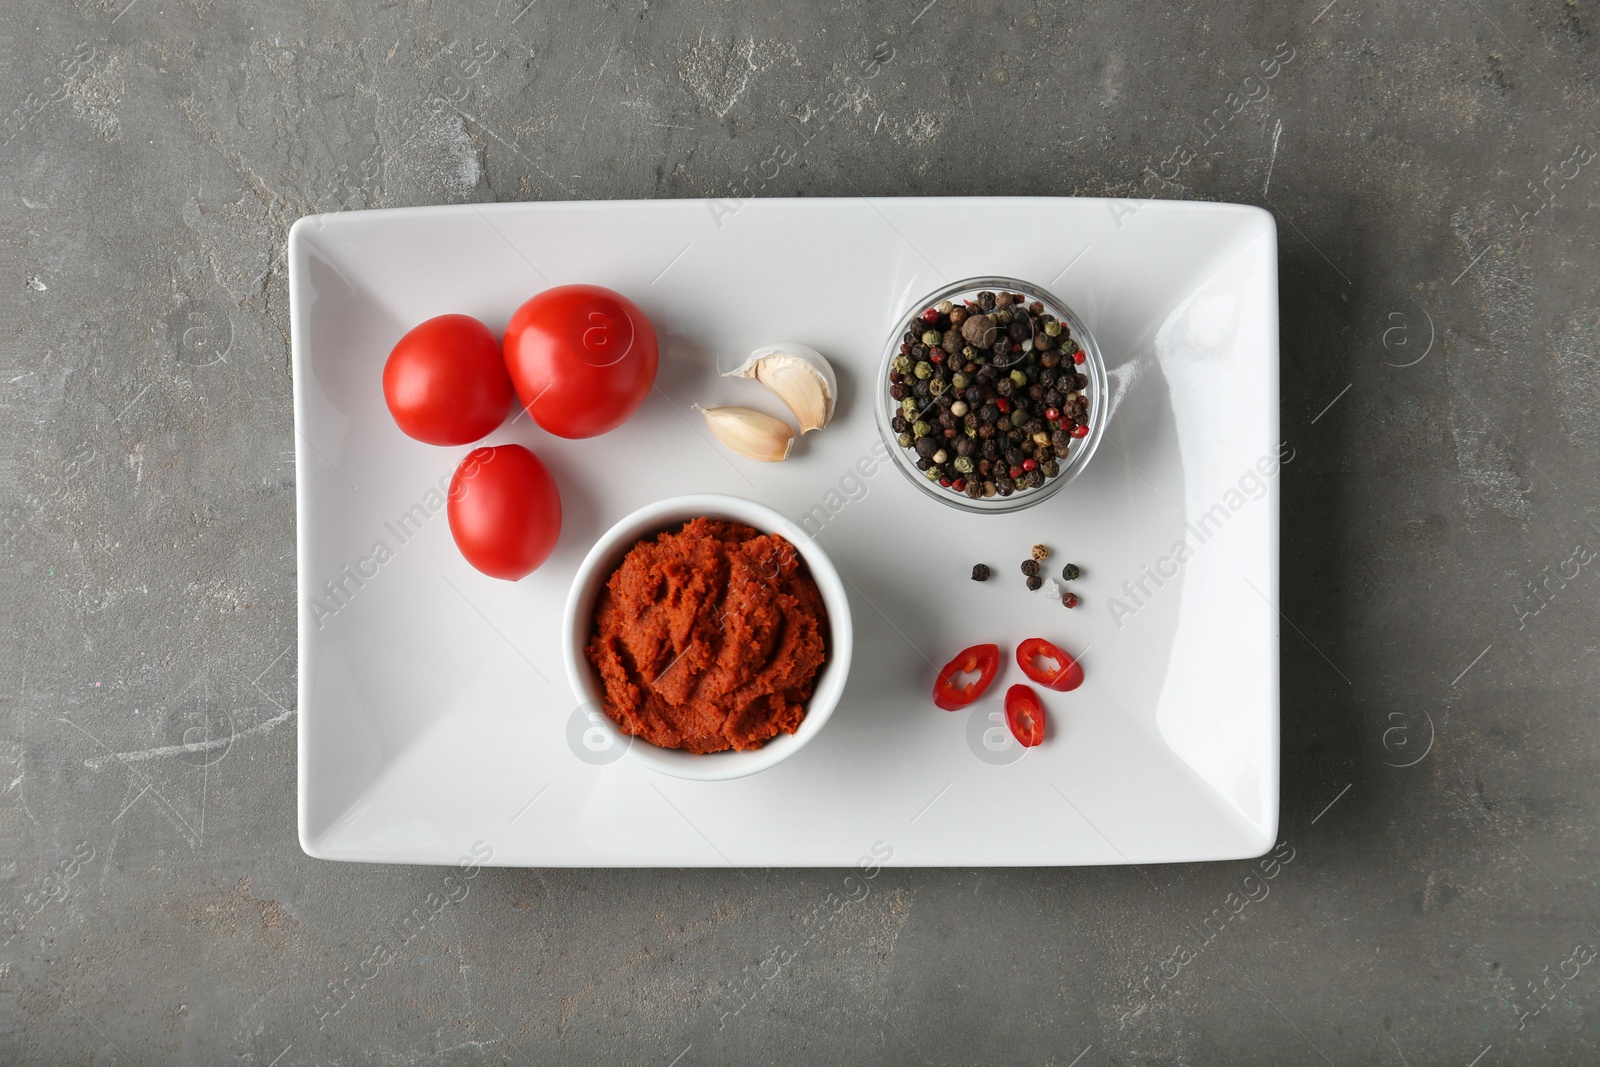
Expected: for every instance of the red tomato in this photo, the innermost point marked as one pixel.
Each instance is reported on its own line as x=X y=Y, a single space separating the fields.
x=446 y=383
x=1064 y=673
x=505 y=513
x=1025 y=715
x=582 y=358
x=982 y=660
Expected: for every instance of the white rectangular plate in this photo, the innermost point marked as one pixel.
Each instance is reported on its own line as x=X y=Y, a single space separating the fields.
x=435 y=718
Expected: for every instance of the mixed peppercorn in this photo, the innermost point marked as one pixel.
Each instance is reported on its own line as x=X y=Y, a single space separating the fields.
x=990 y=395
x=1033 y=574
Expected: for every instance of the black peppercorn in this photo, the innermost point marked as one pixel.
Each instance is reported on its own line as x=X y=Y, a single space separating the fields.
x=898 y=391
x=1004 y=487
x=1070 y=572
x=970 y=420
x=898 y=424
x=1034 y=479
x=924 y=463
x=964 y=446
x=973 y=489
x=1005 y=387
x=986 y=301
x=1030 y=567
x=980 y=572
x=1034 y=581
x=926 y=446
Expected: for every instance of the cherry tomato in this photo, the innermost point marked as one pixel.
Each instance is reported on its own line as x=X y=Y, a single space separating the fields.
x=446 y=383
x=1025 y=715
x=1064 y=673
x=582 y=359
x=982 y=660
x=505 y=513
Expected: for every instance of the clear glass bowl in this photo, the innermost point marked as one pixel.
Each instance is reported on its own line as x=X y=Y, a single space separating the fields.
x=1082 y=450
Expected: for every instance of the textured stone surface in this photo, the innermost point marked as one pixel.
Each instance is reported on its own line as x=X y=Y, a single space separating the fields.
x=1429 y=167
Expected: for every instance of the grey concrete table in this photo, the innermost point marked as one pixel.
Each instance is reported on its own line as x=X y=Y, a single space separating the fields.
x=1431 y=167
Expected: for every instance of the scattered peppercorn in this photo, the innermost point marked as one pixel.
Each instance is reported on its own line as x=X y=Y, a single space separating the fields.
x=1040 y=552
x=1034 y=582
x=1070 y=572
x=980 y=572
x=1069 y=599
x=1030 y=567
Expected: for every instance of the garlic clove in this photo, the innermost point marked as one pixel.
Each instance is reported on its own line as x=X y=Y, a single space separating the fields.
x=801 y=377
x=750 y=433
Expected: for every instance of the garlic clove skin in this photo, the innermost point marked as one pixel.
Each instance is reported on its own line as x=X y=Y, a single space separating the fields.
x=753 y=434
x=800 y=375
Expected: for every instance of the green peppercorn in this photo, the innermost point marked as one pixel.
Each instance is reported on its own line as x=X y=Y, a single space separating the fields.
x=906 y=440
x=1052 y=327
x=945 y=307
x=937 y=386
x=1070 y=572
x=921 y=428
x=1019 y=484
x=922 y=369
x=960 y=380
x=908 y=407
x=970 y=354
x=964 y=464
x=931 y=337
x=902 y=364
x=933 y=474
x=1019 y=379
x=1050 y=468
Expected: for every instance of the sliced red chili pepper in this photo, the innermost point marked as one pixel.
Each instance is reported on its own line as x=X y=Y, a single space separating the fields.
x=1025 y=715
x=983 y=660
x=1066 y=673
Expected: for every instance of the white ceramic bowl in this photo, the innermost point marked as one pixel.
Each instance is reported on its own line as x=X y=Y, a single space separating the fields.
x=606 y=556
